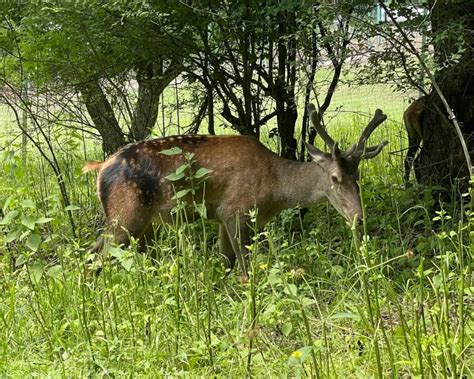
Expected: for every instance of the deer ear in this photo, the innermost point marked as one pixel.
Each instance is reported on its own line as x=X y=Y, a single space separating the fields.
x=317 y=155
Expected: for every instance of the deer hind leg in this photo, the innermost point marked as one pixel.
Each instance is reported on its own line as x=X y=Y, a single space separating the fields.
x=414 y=145
x=409 y=159
x=225 y=247
x=238 y=234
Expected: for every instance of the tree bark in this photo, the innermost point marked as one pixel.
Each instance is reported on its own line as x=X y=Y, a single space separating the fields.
x=103 y=117
x=284 y=90
x=152 y=81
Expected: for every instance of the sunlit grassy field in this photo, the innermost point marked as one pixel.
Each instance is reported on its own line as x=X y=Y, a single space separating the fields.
x=393 y=298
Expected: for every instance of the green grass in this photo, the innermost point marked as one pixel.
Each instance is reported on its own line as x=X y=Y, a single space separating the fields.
x=394 y=299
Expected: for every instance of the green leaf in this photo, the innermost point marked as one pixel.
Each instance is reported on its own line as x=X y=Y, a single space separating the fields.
x=170 y=301
x=127 y=264
x=202 y=172
x=174 y=176
x=172 y=151
x=118 y=277
x=181 y=194
x=307 y=301
x=29 y=222
x=28 y=204
x=21 y=260
x=437 y=280
x=55 y=271
x=43 y=220
x=201 y=210
x=300 y=355
x=287 y=328
x=7 y=203
x=13 y=235
x=181 y=169
x=9 y=217
x=34 y=241
x=274 y=278
x=116 y=251
x=291 y=290
x=36 y=272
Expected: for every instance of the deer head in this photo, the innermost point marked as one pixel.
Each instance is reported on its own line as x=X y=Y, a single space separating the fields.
x=341 y=168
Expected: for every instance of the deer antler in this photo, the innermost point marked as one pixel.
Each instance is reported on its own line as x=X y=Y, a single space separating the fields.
x=373 y=151
x=357 y=151
x=360 y=150
x=316 y=121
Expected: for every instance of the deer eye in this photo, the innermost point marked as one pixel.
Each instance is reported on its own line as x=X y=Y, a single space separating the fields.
x=335 y=179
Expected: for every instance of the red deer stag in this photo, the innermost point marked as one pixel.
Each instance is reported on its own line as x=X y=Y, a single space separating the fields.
x=134 y=191
x=413 y=118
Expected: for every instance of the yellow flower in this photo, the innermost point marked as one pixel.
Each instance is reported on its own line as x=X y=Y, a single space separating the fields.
x=263 y=266
x=296 y=354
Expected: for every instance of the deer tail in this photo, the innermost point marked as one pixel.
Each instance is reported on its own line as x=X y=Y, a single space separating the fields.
x=91 y=166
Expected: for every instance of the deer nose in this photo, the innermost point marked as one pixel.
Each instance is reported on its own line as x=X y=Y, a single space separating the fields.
x=359 y=221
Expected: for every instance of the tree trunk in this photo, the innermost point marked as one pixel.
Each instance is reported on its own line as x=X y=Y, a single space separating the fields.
x=210 y=111
x=441 y=160
x=313 y=53
x=284 y=91
x=103 y=116
x=152 y=81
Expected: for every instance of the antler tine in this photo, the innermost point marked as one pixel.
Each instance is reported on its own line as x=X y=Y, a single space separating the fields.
x=378 y=118
x=315 y=120
x=373 y=151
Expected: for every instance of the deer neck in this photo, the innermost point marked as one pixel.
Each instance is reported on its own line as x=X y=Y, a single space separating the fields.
x=301 y=183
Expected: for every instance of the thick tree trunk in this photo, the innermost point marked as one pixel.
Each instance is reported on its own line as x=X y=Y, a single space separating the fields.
x=441 y=159
x=152 y=81
x=103 y=116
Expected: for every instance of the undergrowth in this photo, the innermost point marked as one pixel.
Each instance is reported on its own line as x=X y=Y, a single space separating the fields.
x=393 y=298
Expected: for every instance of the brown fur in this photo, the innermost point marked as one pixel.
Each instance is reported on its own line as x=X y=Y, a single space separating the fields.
x=413 y=117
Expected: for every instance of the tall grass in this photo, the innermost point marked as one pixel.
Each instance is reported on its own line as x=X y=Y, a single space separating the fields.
x=391 y=299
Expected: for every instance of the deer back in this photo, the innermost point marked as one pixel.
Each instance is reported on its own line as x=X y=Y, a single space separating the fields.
x=240 y=178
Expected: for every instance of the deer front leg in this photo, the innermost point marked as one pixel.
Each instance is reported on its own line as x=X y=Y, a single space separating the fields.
x=239 y=236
